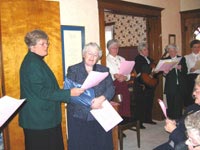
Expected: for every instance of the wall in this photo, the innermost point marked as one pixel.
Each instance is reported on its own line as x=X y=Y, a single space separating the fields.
x=189 y=4
x=128 y=30
x=81 y=13
x=170 y=18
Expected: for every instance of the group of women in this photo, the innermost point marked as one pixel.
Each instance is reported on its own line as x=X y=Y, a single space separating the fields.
x=40 y=117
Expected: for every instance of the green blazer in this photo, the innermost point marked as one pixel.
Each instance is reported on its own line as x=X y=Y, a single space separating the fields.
x=39 y=86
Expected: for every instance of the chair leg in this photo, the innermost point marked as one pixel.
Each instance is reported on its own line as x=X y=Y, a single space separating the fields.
x=120 y=139
x=138 y=133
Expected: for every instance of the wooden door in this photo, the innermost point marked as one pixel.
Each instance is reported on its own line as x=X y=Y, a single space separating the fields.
x=155 y=48
x=189 y=22
x=17 y=18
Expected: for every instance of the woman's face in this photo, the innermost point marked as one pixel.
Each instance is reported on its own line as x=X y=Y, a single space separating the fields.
x=172 y=52
x=113 y=49
x=193 y=140
x=196 y=94
x=91 y=56
x=145 y=52
x=196 y=48
x=41 y=48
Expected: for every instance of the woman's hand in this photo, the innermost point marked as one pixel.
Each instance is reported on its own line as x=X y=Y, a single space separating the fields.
x=76 y=91
x=170 y=125
x=178 y=67
x=120 y=77
x=97 y=102
x=193 y=69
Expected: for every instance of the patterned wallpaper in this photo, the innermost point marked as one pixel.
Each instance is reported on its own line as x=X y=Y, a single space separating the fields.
x=128 y=30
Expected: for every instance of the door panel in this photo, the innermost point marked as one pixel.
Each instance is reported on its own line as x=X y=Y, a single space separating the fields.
x=17 y=18
x=189 y=22
x=191 y=25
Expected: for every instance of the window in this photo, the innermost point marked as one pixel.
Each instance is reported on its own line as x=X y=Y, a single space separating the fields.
x=197 y=33
x=109 y=34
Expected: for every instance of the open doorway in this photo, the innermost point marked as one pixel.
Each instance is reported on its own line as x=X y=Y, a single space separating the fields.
x=153 y=23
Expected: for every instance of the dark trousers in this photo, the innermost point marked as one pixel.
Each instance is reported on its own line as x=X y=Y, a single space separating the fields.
x=175 y=103
x=143 y=98
x=48 y=139
x=190 y=86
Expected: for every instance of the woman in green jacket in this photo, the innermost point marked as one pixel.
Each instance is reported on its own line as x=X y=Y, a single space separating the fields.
x=40 y=117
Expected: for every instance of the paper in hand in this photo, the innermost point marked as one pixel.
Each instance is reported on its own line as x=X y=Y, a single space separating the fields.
x=197 y=64
x=163 y=107
x=107 y=116
x=8 y=106
x=93 y=79
x=126 y=67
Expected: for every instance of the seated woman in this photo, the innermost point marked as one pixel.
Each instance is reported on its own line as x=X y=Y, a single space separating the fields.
x=192 y=124
x=177 y=128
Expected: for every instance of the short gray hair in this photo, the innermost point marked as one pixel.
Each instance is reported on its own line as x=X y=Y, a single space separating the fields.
x=112 y=42
x=92 y=45
x=197 y=80
x=142 y=46
x=31 y=38
x=192 y=121
x=171 y=46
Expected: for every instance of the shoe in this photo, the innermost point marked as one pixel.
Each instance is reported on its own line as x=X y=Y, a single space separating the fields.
x=142 y=127
x=150 y=122
x=124 y=135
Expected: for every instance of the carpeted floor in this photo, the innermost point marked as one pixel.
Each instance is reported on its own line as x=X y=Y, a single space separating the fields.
x=151 y=137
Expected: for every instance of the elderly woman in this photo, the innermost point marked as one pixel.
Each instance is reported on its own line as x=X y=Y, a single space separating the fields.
x=84 y=131
x=175 y=84
x=40 y=117
x=192 y=124
x=113 y=61
x=144 y=94
x=176 y=128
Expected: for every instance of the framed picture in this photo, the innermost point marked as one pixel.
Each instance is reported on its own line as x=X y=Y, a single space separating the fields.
x=73 y=41
x=172 y=39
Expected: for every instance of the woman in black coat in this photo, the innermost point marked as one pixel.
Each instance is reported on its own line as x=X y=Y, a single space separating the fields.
x=175 y=84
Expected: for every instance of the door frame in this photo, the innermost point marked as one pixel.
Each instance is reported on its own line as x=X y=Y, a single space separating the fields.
x=184 y=16
x=127 y=8
x=153 y=15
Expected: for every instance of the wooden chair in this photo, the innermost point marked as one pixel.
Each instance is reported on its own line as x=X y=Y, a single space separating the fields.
x=128 y=123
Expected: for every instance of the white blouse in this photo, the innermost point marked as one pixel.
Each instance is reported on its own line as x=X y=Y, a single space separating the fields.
x=191 y=60
x=113 y=63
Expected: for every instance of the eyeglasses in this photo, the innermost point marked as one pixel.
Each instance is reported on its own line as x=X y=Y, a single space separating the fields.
x=44 y=44
x=190 y=142
x=92 y=54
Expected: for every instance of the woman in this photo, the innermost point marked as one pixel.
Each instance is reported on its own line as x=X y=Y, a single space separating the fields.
x=113 y=61
x=144 y=94
x=175 y=84
x=192 y=123
x=176 y=128
x=40 y=117
x=84 y=132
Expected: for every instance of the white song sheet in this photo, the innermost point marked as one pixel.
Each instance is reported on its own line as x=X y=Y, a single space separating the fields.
x=107 y=116
x=167 y=64
x=8 y=106
x=93 y=79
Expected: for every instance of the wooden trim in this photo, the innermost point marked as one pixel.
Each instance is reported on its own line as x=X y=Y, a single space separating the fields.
x=128 y=8
x=184 y=16
x=190 y=14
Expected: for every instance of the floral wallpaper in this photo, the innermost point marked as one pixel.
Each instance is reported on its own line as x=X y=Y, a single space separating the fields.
x=128 y=30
